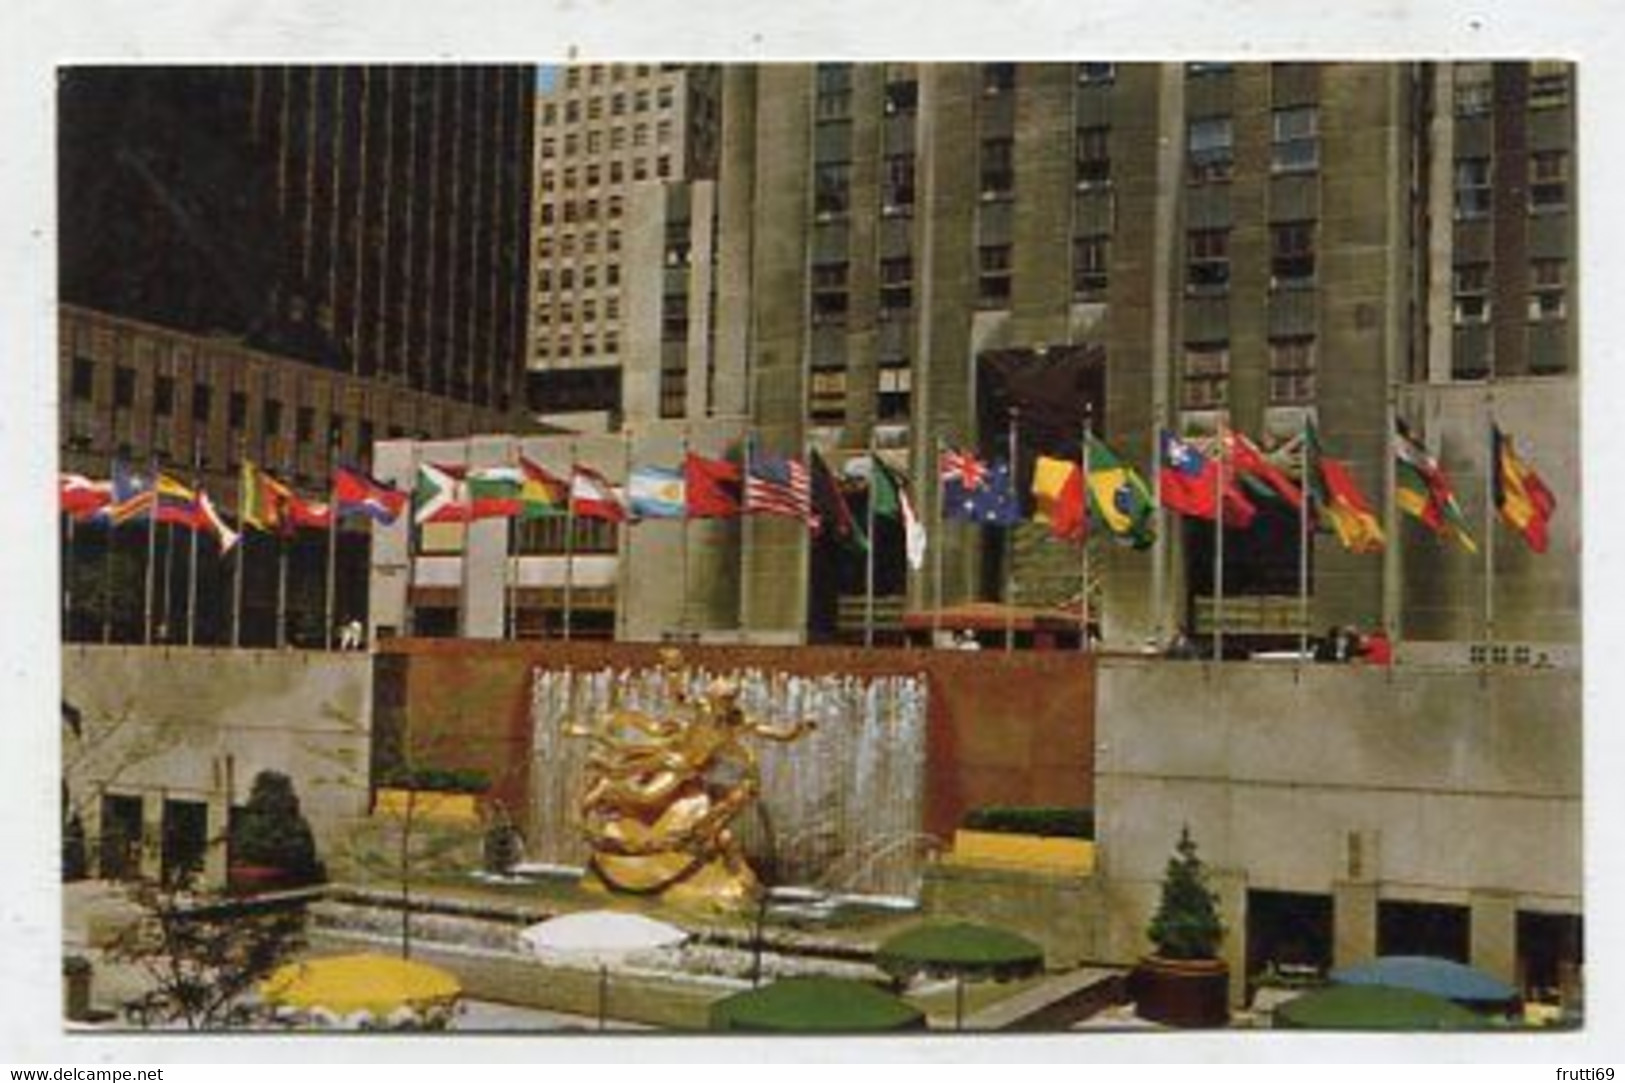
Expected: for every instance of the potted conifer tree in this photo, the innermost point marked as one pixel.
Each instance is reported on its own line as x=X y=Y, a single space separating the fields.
x=1184 y=983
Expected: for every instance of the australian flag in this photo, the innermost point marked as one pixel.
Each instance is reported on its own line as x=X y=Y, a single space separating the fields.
x=989 y=500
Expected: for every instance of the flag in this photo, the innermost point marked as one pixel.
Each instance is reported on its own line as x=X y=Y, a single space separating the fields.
x=593 y=497
x=1119 y=498
x=312 y=514
x=132 y=496
x=991 y=501
x=1521 y=498
x=262 y=500
x=494 y=492
x=355 y=493
x=831 y=514
x=656 y=492
x=1337 y=497
x=210 y=519
x=80 y=497
x=1251 y=465
x=1058 y=490
x=961 y=468
x=777 y=486
x=1190 y=483
x=712 y=487
x=177 y=503
x=542 y=493
x=890 y=494
x=440 y=495
x=1423 y=492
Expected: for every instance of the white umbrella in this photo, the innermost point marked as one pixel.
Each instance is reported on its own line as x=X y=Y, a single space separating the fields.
x=599 y=938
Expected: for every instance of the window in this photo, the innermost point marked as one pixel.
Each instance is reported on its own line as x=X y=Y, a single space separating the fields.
x=1471 y=291
x=998 y=78
x=1095 y=74
x=674 y=319
x=1296 y=145
x=617 y=139
x=641 y=101
x=612 y=306
x=1292 y=370
x=304 y=420
x=84 y=379
x=617 y=172
x=1094 y=161
x=615 y=206
x=663 y=132
x=237 y=410
x=202 y=403
x=572 y=145
x=677 y=244
x=1292 y=253
x=617 y=104
x=569 y=210
x=163 y=396
x=1209 y=67
x=663 y=166
x=1548 y=293
x=833 y=100
x=832 y=188
x=612 y=274
x=640 y=135
x=572 y=112
x=1089 y=276
x=1548 y=84
x=640 y=169
x=998 y=168
x=550 y=113
x=896 y=285
x=1472 y=187
x=570 y=176
x=612 y=342
x=1548 y=181
x=663 y=97
x=547 y=181
x=595 y=142
x=595 y=175
x=673 y=392
x=1210 y=150
x=271 y=416
x=829 y=292
x=123 y=387
x=993 y=280
x=897 y=190
x=1207 y=375
x=547 y=214
x=612 y=241
x=896 y=388
x=589 y=277
x=1207 y=259
x=827 y=395
x=902 y=97
x=1474 y=91
x=549 y=147
x=589 y=210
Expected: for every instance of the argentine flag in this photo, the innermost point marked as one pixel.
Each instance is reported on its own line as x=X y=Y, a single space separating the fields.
x=656 y=493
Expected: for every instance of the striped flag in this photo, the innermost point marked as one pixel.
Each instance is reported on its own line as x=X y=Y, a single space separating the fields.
x=81 y=497
x=440 y=495
x=210 y=519
x=778 y=486
x=656 y=492
x=1422 y=490
x=1524 y=502
x=593 y=497
x=962 y=468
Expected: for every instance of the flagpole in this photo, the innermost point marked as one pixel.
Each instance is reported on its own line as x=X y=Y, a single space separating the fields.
x=936 y=557
x=1305 y=489
x=152 y=546
x=191 y=571
x=282 y=589
x=682 y=537
x=1218 y=550
x=1010 y=546
x=242 y=549
x=331 y=595
x=1088 y=534
x=1489 y=523
x=67 y=586
x=107 y=581
x=1159 y=545
x=570 y=544
x=869 y=548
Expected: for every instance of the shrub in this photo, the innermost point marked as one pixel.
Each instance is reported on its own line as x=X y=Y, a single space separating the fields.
x=1060 y=821
x=271 y=831
x=1186 y=924
x=437 y=779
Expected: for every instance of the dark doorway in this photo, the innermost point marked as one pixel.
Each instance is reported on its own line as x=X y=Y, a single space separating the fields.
x=186 y=840
x=1414 y=928
x=1551 y=949
x=1288 y=933
x=120 y=849
x=434 y=622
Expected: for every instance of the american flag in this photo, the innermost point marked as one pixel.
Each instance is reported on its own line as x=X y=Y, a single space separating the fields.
x=963 y=467
x=776 y=486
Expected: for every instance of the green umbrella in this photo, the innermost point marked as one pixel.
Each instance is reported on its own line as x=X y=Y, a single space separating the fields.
x=1373 y=1007
x=815 y=1005
x=960 y=950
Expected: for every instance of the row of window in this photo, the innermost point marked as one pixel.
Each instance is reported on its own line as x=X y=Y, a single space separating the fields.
x=1548 y=184
x=578 y=75
x=549 y=279
x=593 y=174
x=1294 y=144
x=827 y=393
x=1475 y=88
x=832 y=187
x=1292 y=256
x=599 y=140
x=567 y=311
x=1547 y=297
x=586 y=344
x=564 y=243
x=1205 y=383
x=616 y=105
x=569 y=211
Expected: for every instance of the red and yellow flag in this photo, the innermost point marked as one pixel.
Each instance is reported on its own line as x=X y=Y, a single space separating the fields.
x=1521 y=498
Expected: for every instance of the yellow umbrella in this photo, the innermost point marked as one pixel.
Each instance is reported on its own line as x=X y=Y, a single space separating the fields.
x=346 y=984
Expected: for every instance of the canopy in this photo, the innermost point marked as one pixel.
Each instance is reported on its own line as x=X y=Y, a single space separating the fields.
x=960 y=949
x=1427 y=974
x=816 y=1005
x=600 y=936
x=343 y=985
x=1373 y=1007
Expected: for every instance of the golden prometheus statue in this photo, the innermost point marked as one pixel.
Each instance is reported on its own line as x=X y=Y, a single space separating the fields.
x=659 y=795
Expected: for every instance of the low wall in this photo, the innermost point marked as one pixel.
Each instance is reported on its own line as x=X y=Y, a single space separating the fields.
x=1003 y=729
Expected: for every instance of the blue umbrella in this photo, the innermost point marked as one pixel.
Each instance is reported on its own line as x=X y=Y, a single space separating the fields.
x=1426 y=974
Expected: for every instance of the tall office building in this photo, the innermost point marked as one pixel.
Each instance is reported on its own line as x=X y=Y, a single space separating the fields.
x=607 y=137
x=286 y=264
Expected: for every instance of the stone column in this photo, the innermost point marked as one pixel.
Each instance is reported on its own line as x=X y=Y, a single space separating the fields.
x=152 y=836
x=1231 y=887
x=1354 y=922
x=1494 y=936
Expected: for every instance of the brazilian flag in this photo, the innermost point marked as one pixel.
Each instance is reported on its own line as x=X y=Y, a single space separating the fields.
x=1119 y=499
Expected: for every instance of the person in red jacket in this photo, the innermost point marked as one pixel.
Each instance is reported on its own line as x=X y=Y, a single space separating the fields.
x=1376 y=649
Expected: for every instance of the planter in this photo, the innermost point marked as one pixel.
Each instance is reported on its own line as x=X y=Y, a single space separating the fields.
x=257 y=879
x=1005 y=850
x=1182 y=992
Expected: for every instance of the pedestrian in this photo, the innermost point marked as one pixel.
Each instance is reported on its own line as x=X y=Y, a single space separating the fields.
x=1377 y=650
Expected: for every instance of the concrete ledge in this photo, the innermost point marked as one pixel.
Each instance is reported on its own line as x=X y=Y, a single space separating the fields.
x=1056 y=1003
x=1058 y=910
